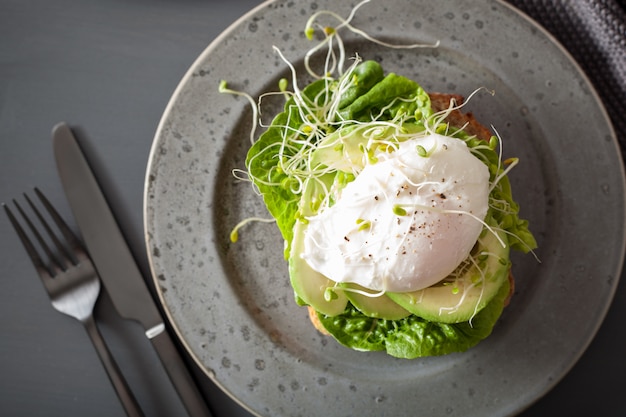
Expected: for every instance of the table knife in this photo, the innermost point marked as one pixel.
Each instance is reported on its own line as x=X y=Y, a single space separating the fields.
x=116 y=265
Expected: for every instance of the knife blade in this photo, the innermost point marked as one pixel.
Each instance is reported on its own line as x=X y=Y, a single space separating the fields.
x=115 y=263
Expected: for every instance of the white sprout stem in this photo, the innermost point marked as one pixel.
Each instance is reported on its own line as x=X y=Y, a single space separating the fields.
x=255 y=111
x=358 y=291
x=234 y=234
x=512 y=164
x=390 y=45
x=298 y=98
x=307 y=57
x=500 y=150
x=345 y=22
x=241 y=175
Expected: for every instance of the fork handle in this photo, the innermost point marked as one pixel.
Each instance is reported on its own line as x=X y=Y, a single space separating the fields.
x=115 y=375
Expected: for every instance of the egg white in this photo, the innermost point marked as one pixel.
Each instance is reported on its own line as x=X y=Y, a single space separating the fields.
x=405 y=222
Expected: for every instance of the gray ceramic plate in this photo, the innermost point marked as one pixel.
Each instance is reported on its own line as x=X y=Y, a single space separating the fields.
x=232 y=305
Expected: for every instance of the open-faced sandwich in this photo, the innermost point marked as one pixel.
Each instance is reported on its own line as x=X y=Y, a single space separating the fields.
x=396 y=212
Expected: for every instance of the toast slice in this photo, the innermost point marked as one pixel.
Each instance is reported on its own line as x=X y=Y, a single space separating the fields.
x=467 y=121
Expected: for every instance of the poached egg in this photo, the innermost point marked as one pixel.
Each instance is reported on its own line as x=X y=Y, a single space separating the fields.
x=405 y=222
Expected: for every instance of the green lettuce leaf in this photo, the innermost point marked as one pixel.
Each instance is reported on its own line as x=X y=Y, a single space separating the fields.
x=263 y=165
x=413 y=337
x=382 y=99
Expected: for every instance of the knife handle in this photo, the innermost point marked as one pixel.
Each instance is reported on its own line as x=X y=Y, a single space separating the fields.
x=182 y=380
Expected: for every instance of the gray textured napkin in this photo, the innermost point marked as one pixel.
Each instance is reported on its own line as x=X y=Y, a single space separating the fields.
x=594 y=32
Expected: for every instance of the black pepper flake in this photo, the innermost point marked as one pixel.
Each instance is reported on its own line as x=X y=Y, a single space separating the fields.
x=346 y=238
x=442 y=196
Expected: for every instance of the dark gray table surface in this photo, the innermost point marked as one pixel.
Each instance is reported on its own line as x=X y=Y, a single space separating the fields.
x=108 y=68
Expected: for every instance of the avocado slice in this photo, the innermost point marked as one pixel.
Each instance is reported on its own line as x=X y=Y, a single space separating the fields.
x=458 y=298
x=378 y=306
x=455 y=299
x=309 y=284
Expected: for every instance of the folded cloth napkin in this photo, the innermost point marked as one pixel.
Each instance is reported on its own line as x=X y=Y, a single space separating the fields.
x=594 y=33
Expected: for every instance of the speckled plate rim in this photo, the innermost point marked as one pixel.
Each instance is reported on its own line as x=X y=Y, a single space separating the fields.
x=158 y=194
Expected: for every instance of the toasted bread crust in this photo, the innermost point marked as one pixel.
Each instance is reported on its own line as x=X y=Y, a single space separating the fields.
x=511 y=289
x=316 y=321
x=441 y=101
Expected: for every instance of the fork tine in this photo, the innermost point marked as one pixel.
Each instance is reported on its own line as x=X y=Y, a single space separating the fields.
x=28 y=245
x=69 y=236
x=52 y=258
x=60 y=224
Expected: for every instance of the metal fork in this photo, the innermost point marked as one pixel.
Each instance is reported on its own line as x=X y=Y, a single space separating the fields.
x=72 y=284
